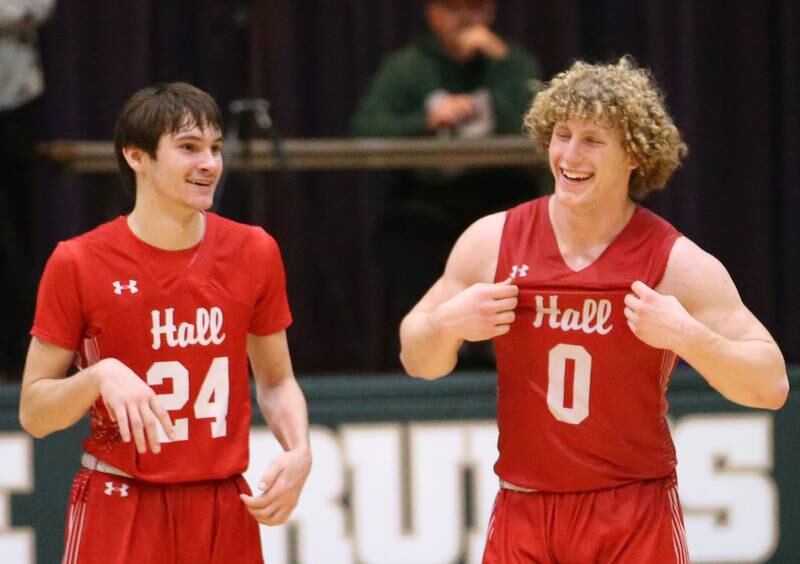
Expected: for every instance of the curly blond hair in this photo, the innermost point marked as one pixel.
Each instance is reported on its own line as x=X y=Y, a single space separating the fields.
x=621 y=95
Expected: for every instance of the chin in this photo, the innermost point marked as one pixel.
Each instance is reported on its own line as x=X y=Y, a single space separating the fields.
x=571 y=197
x=202 y=204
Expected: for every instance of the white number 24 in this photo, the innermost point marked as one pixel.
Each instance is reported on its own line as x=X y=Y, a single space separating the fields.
x=211 y=402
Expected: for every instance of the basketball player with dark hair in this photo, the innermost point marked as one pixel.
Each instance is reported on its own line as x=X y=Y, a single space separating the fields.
x=163 y=308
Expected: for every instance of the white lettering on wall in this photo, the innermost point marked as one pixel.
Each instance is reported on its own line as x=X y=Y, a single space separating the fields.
x=435 y=455
x=320 y=519
x=729 y=499
x=17 y=543
x=351 y=510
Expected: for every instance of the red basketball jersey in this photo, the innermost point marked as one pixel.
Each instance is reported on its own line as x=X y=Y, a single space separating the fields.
x=581 y=400
x=178 y=319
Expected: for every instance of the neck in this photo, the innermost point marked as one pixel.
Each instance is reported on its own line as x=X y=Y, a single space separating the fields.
x=589 y=230
x=169 y=231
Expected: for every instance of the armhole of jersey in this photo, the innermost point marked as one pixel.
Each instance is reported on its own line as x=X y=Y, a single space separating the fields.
x=662 y=255
x=500 y=267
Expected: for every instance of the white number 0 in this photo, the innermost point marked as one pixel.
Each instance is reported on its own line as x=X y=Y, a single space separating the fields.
x=211 y=402
x=556 y=377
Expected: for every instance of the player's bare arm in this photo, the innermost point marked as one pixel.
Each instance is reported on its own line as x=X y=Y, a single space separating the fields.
x=50 y=401
x=284 y=409
x=463 y=305
x=697 y=313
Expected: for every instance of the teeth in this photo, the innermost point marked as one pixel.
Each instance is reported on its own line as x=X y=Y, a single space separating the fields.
x=575 y=175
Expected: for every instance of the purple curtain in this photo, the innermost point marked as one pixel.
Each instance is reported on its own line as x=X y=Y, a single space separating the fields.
x=730 y=70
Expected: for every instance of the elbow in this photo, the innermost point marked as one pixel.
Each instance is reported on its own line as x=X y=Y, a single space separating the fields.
x=777 y=393
x=772 y=397
x=777 y=397
x=29 y=424
x=423 y=370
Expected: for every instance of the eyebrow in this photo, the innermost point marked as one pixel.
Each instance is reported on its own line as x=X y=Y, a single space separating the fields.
x=193 y=137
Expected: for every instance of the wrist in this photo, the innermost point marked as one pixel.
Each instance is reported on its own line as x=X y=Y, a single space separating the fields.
x=98 y=372
x=303 y=451
x=440 y=328
x=693 y=338
x=93 y=374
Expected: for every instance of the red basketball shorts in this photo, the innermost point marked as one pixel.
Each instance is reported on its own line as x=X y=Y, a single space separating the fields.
x=116 y=520
x=631 y=524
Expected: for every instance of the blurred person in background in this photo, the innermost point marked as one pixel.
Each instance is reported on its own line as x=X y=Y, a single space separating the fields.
x=459 y=78
x=21 y=88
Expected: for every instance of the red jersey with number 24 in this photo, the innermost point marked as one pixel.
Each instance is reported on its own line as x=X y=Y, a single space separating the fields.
x=581 y=400
x=179 y=320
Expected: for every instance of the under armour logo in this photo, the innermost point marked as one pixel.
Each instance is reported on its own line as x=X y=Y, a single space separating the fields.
x=119 y=287
x=111 y=488
x=519 y=271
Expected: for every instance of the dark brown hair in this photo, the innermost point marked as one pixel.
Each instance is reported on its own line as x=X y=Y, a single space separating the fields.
x=159 y=110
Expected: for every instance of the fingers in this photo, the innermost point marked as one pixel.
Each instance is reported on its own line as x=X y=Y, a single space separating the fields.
x=505 y=318
x=504 y=289
x=119 y=414
x=463 y=107
x=137 y=429
x=139 y=423
x=505 y=304
x=452 y=110
x=642 y=290
x=502 y=324
x=163 y=418
x=151 y=429
x=272 y=513
x=269 y=477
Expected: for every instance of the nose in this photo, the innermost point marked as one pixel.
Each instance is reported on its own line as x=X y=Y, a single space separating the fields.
x=210 y=160
x=572 y=151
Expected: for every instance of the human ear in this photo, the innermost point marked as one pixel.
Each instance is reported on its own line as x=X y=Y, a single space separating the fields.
x=134 y=156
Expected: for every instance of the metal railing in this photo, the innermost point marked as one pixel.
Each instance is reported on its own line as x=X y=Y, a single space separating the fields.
x=330 y=154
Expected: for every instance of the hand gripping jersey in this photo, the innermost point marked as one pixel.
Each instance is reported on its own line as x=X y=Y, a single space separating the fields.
x=179 y=320
x=581 y=400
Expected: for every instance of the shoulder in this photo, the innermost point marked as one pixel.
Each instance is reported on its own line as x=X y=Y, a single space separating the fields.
x=486 y=231
x=474 y=256
x=651 y=219
x=100 y=238
x=251 y=244
x=687 y=261
x=414 y=57
x=64 y=256
x=650 y=229
x=229 y=230
x=695 y=276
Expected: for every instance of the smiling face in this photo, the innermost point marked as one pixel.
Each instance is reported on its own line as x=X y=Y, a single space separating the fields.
x=185 y=171
x=588 y=163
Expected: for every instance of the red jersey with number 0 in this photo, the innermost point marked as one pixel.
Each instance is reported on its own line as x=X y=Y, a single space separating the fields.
x=581 y=400
x=179 y=320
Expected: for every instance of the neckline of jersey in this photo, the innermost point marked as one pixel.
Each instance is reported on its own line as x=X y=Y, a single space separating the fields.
x=158 y=252
x=551 y=232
